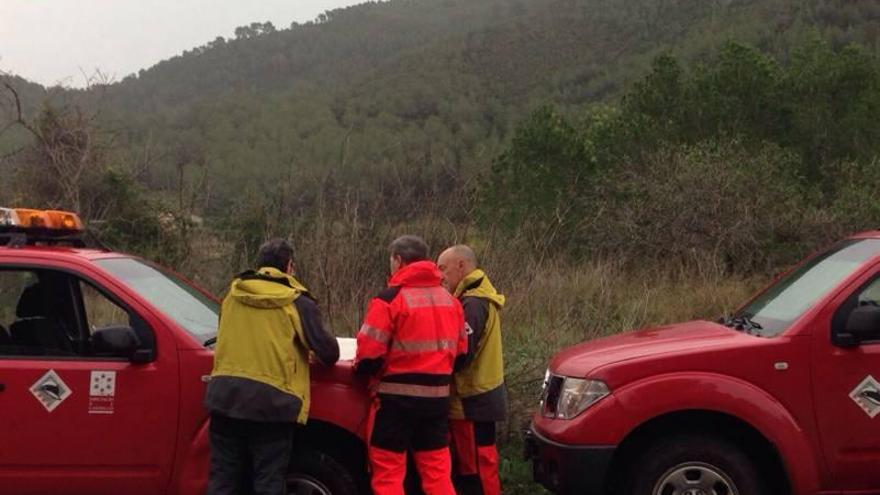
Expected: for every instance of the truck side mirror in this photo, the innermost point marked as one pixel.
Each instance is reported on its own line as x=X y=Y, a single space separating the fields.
x=864 y=323
x=116 y=341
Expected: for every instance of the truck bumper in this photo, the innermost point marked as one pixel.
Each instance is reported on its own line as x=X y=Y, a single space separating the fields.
x=568 y=469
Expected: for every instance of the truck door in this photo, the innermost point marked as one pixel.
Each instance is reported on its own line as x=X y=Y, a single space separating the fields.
x=74 y=419
x=847 y=394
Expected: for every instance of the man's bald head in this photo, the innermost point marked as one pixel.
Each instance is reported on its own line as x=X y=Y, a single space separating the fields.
x=455 y=263
x=465 y=253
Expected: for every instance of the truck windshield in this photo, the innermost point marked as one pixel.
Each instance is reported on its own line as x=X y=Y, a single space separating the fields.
x=187 y=306
x=782 y=304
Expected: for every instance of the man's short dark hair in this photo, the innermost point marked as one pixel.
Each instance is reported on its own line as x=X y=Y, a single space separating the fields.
x=276 y=253
x=410 y=248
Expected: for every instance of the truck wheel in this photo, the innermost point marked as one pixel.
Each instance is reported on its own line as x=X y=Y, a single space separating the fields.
x=694 y=465
x=315 y=473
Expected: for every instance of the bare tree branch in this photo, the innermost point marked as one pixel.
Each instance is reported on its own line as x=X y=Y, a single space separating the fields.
x=17 y=100
x=19 y=115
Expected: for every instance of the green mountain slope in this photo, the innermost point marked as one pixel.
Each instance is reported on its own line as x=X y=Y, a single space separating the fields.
x=417 y=90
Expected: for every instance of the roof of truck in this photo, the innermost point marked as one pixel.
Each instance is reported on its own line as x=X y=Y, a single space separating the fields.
x=56 y=252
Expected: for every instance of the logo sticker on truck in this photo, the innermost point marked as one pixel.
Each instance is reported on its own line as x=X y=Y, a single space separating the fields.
x=102 y=392
x=50 y=390
x=867 y=396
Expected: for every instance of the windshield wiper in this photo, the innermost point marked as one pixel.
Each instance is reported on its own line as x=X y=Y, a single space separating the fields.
x=210 y=342
x=742 y=322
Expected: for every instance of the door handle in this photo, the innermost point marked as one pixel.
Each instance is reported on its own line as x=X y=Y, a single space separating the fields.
x=2 y=387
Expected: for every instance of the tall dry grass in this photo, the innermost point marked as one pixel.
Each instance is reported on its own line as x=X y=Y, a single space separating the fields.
x=552 y=302
x=555 y=304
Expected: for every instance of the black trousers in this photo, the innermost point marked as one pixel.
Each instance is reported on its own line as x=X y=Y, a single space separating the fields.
x=409 y=423
x=248 y=456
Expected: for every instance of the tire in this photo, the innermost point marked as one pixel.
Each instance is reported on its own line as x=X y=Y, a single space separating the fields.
x=703 y=464
x=313 y=472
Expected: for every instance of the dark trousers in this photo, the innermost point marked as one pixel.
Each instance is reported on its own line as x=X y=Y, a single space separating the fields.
x=248 y=456
x=410 y=423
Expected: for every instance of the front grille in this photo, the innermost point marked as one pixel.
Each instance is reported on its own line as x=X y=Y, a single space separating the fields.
x=550 y=397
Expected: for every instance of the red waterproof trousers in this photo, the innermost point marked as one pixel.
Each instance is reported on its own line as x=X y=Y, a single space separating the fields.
x=476 y=457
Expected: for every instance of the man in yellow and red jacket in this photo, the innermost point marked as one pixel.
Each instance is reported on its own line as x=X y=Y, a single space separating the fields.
x=479 y=397
x=412 y=335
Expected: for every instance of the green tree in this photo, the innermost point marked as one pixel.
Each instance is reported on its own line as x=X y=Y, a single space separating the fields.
x=535 y=181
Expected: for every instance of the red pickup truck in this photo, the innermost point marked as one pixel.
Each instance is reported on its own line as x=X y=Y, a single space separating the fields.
x=782 y=396
x=103 y=363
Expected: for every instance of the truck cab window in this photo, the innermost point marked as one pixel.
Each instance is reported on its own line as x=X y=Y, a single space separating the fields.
x=867 y=295
x=870 y=295
x=37 y=317
x=54 y=314
x=100 y=311
x=12 y=284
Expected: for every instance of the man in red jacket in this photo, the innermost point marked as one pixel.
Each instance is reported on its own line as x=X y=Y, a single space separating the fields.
x=412 y=335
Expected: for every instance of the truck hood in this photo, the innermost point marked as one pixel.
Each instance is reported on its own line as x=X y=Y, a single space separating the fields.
x=680 y=338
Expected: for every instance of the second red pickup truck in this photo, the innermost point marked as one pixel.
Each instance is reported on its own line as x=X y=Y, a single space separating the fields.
x=783 y=396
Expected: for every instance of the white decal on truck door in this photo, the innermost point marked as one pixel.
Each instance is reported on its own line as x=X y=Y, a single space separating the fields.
x=867 y=396
x=50 y=390
x=102 y=392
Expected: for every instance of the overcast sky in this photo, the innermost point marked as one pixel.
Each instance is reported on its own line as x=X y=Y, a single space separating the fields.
x=54 y=41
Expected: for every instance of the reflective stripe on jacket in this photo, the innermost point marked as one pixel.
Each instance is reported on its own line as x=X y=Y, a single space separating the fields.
x=412 y=333
x=479 y=393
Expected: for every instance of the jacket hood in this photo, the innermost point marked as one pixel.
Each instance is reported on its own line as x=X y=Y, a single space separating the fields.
x=418 y=274
x=477 y=284
x=266 y=288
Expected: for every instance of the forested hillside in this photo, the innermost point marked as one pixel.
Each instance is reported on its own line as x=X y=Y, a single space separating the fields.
x=420 y=112
x=389 y=114
x=425 y=87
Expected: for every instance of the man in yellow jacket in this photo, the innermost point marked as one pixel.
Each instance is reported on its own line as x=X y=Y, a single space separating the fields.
x=479 y=397
x=259 y=387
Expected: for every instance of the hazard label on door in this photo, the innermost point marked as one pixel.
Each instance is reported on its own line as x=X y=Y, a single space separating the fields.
x=867 y=396
x=50 y=390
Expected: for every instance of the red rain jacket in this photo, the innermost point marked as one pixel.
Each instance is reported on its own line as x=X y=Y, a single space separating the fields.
x=412 y=334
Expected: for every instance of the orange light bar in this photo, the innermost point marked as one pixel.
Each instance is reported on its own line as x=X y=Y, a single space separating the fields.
x=33 y=219
x=65 y=220
x=27 y=218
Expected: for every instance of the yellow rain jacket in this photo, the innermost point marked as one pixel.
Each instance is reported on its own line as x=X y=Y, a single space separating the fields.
x=261 y=362
x=479 y=391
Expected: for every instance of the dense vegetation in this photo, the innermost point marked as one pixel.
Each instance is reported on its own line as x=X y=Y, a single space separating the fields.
x=617 y=163
x=741 y=156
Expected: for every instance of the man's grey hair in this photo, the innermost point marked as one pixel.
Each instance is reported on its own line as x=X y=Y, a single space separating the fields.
x=410 y=248
x=465 y=252
x=276 y=253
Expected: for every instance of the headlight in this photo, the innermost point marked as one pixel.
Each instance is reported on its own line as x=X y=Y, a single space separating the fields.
x=567 y=397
